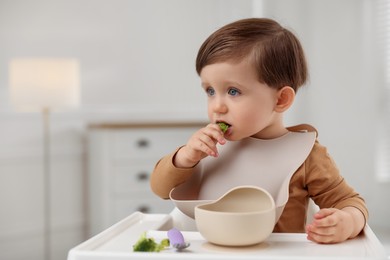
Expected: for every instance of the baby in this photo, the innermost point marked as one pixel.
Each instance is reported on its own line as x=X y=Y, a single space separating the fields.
x=251 y=70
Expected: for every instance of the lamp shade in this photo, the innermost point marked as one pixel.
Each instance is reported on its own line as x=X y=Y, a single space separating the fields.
x=37 y=83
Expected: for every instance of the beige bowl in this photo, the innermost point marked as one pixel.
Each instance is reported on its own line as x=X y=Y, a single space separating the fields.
x=243 y=216
x=186 y=203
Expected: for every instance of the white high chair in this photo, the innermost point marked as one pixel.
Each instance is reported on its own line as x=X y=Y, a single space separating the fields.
x=182 y=221
x=311 y=210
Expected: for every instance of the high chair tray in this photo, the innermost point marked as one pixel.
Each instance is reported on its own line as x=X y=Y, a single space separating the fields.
x=117 y=242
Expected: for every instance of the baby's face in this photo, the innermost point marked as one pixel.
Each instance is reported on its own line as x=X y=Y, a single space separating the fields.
x=236 y=97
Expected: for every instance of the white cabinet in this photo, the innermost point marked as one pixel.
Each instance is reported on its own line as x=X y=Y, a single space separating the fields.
x=120 y=160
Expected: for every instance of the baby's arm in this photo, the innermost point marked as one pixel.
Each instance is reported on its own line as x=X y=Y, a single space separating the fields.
x=201 y=144
x=331 y=225
x=343 y=211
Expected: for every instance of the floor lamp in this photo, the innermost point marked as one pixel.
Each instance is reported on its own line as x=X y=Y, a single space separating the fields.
x=44 y=85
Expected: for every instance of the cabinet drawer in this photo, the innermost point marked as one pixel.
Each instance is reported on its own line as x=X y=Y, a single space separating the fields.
x=148 y=143
x=132 y=178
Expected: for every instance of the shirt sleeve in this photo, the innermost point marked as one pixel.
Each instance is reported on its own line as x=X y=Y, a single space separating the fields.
x=326 y=186
x=166 y=176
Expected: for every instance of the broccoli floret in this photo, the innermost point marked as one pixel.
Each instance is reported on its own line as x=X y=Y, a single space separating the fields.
x=164 y=243
x=145 y=244
x=224 y=127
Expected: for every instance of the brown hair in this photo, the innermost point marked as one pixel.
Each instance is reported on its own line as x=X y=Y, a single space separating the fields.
x=275 y=52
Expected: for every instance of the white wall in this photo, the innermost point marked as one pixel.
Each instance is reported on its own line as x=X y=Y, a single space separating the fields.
x=135 y=55
x=137 y=63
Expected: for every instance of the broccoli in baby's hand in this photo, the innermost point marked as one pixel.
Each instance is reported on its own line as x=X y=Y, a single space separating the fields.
x=145 y=244
x=224 y=127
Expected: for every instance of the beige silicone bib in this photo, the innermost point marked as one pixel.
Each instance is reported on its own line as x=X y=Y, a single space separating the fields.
x=268 y=164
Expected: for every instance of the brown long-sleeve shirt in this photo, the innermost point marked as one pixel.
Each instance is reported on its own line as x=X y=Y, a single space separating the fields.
x=317 y=178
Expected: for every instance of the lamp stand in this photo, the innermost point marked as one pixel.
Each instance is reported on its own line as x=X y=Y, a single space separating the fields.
x=47 y=183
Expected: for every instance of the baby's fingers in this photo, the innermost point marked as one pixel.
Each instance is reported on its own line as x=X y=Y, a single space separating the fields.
x=320 y=238
x=325 y=212
x=204 y=141
x=326 y=218
x=207 y=145
x=215 y=132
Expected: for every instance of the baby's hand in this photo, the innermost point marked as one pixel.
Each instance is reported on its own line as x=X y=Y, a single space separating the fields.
x=331 y=225
x=201 y=144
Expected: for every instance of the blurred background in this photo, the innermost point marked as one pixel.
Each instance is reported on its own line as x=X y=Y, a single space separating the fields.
x=64 y=175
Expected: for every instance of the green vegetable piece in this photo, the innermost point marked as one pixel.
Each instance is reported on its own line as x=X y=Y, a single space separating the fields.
x=145 y=244
x=224 y=127
x=165 y=242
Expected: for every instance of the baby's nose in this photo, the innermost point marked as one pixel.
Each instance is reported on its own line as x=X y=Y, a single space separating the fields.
x=220 y=107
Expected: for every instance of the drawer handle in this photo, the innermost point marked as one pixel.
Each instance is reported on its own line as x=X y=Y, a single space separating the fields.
x=142 y=176
x=143 y=143
x=143 y=209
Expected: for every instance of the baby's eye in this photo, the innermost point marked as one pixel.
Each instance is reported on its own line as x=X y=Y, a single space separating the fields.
x=210 y=91
x=233 y=92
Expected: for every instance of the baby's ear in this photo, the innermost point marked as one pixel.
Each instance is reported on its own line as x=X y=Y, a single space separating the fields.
x=286 y=96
